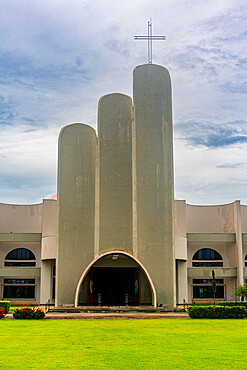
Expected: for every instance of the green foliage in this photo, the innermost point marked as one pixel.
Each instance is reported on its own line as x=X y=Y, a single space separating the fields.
x=241 y=291
x=14 y=307
x=233 y=303
x=217 y=312
x=6 y=305
x=214 y=285
x=29 y=313
x=2 y=312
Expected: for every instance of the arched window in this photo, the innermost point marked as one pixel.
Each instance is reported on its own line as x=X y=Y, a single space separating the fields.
x=207 y=257
x=20 y=257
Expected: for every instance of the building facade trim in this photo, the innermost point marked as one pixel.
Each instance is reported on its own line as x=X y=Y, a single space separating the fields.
x=20 y=237
x=205 y=272
x=19 y=272
x=212 y=237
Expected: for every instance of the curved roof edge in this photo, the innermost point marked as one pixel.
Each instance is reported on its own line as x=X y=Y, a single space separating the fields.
x=213 y=205
x=54 y=197
x=21 y=205
x=112 y=94
x=152 y=65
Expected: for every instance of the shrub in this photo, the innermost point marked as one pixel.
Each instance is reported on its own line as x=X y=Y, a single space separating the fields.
x=217 y=312
x=29 y=313
x=233 y=303
x=2 y=312
x=6 y=305
x=241 y=291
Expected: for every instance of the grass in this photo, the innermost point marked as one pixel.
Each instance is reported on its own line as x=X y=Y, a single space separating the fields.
x=123 y=344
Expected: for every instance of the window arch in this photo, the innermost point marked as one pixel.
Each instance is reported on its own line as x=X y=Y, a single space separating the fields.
x=207 y=257
x=20 y=257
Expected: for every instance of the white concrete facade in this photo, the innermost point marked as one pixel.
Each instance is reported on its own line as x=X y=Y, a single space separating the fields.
x=222 y=228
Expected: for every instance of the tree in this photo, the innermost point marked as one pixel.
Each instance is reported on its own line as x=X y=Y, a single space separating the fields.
x=214 y=285
x=241 y=291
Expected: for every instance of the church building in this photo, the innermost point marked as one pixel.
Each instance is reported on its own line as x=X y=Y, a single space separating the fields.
x=114 y=235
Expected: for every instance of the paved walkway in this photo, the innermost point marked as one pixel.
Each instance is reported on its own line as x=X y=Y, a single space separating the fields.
x=93 y=315
x=113 y=313
x=133 y=315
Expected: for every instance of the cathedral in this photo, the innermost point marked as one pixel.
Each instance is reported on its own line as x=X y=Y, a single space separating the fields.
x=114 y=235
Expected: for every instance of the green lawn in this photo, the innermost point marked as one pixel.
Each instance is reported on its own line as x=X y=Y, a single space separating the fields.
x=123 y=344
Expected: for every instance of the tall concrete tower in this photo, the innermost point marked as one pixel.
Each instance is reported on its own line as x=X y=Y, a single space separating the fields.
x=115 y=238
x=154 y=177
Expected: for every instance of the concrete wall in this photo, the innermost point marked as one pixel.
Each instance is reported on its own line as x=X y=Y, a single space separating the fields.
x=76 y=208
x=154 y=177
x=20 y=227
x=115 y=172
x=49 y=220
x=49 y=229
x=20 y=219
x=220 y=228
x=181 y=248
x=180 y=211
x=210 y=219
x=244 y=218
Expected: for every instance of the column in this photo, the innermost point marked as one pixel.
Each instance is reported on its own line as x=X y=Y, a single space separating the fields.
x=46 y=281
x=182 y=281
x=154 y=177
x=115 y=172
x=76 y=208
x=239 y=246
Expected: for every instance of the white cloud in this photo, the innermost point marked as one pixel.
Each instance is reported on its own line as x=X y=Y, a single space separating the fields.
x=58 y=57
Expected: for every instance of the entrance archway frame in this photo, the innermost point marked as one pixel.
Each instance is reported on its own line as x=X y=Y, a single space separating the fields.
x=84 y=274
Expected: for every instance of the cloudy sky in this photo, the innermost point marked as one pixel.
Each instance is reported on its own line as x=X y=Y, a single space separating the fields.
x=58 y=57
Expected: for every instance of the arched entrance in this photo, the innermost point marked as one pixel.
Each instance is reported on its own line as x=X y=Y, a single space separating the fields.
x=115 y=278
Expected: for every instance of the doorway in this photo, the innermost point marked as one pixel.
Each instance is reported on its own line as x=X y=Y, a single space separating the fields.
x=109 y=286
x=115 y=279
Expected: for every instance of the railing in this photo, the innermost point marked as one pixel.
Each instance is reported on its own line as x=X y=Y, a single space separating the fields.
x=48 y=304
x=185 y=305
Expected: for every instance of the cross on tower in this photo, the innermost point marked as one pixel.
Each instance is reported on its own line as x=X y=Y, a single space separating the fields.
x=150 y=39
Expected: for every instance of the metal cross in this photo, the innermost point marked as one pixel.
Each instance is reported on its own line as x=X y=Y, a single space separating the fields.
x=150 y=39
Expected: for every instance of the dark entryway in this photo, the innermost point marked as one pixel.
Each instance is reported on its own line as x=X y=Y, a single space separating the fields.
x=108 y=286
